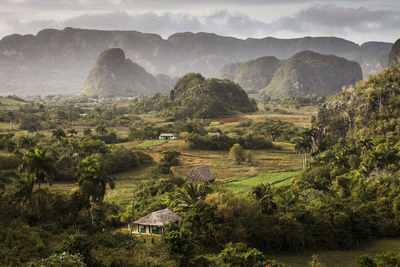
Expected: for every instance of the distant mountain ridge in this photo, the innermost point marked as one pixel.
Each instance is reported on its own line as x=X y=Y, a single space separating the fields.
x=57 y=61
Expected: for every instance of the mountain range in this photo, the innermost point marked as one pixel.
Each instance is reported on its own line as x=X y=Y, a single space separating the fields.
x=58 y=61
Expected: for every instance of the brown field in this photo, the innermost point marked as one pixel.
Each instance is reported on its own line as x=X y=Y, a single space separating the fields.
x=230 y=119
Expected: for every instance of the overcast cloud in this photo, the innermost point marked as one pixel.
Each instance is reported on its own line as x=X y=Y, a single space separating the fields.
x=355 y=20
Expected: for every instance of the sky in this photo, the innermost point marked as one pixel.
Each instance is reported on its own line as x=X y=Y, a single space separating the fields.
x=355 y=20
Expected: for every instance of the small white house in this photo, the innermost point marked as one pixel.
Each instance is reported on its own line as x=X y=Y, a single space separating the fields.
x=214 y=134
x=167 y=136
x=153 y=223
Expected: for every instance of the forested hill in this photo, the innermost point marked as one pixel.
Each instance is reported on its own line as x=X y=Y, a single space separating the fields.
x=57 y=61
x=197 y=97
x=115 y=75
x=306 y=74
x=370 y=110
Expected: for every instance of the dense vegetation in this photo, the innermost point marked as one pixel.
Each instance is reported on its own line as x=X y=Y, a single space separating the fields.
x=196 y=97
x=346 y=195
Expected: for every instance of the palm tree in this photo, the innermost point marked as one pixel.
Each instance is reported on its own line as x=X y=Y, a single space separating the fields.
x=24 y=187
x=92 y=181
x=190 y=194
x=366 y=144
x=36 y=163
x=11 y=117
x=59 y=134
x=263 y=193
x=302 y=145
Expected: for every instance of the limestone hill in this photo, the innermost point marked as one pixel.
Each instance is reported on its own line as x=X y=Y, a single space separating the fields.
x=115 y=75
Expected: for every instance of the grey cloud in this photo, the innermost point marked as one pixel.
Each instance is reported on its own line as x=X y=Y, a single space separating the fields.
x=359 y=24
x=340 y=19
x=105 y=4
x=221 y=22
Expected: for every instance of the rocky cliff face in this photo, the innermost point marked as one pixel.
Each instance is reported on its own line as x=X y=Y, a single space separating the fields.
x=394 y=55
x=57 y=61
x=115 y=75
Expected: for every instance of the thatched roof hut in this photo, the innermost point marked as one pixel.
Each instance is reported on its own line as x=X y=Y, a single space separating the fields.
x=158 y=218
x=200 y=174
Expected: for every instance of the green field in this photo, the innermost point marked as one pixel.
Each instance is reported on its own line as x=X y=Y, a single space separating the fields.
x=150 y=143
x=339 y=258
x=276 y=179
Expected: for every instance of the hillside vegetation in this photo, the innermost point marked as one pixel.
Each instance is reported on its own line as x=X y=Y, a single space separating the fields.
x=197 y=97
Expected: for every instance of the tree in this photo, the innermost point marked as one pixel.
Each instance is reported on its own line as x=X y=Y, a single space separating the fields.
x=239 y=255
x=237 y=153
x=11 y=118
x=190 y=194
x=79 y=244
x=264 y=194
x=303 y=145
x=93 y=181
x=37 y=163
x=250 y=157
x=59 y=134
x=25 y=142
x=101 y=130
x=179 y=246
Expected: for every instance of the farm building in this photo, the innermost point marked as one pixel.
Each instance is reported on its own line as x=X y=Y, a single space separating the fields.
x=167 y=136
x=214 y=134
x=200 y=174
x=154 y=222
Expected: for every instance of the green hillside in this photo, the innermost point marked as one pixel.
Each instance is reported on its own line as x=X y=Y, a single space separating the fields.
x=197 y=97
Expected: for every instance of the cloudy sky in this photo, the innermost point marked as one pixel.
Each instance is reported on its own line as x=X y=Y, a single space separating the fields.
x=356 y=20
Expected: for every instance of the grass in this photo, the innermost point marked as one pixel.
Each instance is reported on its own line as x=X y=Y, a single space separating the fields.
x=339 y=258
x=279 y=178
x=150 y=143
x=9 y=103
